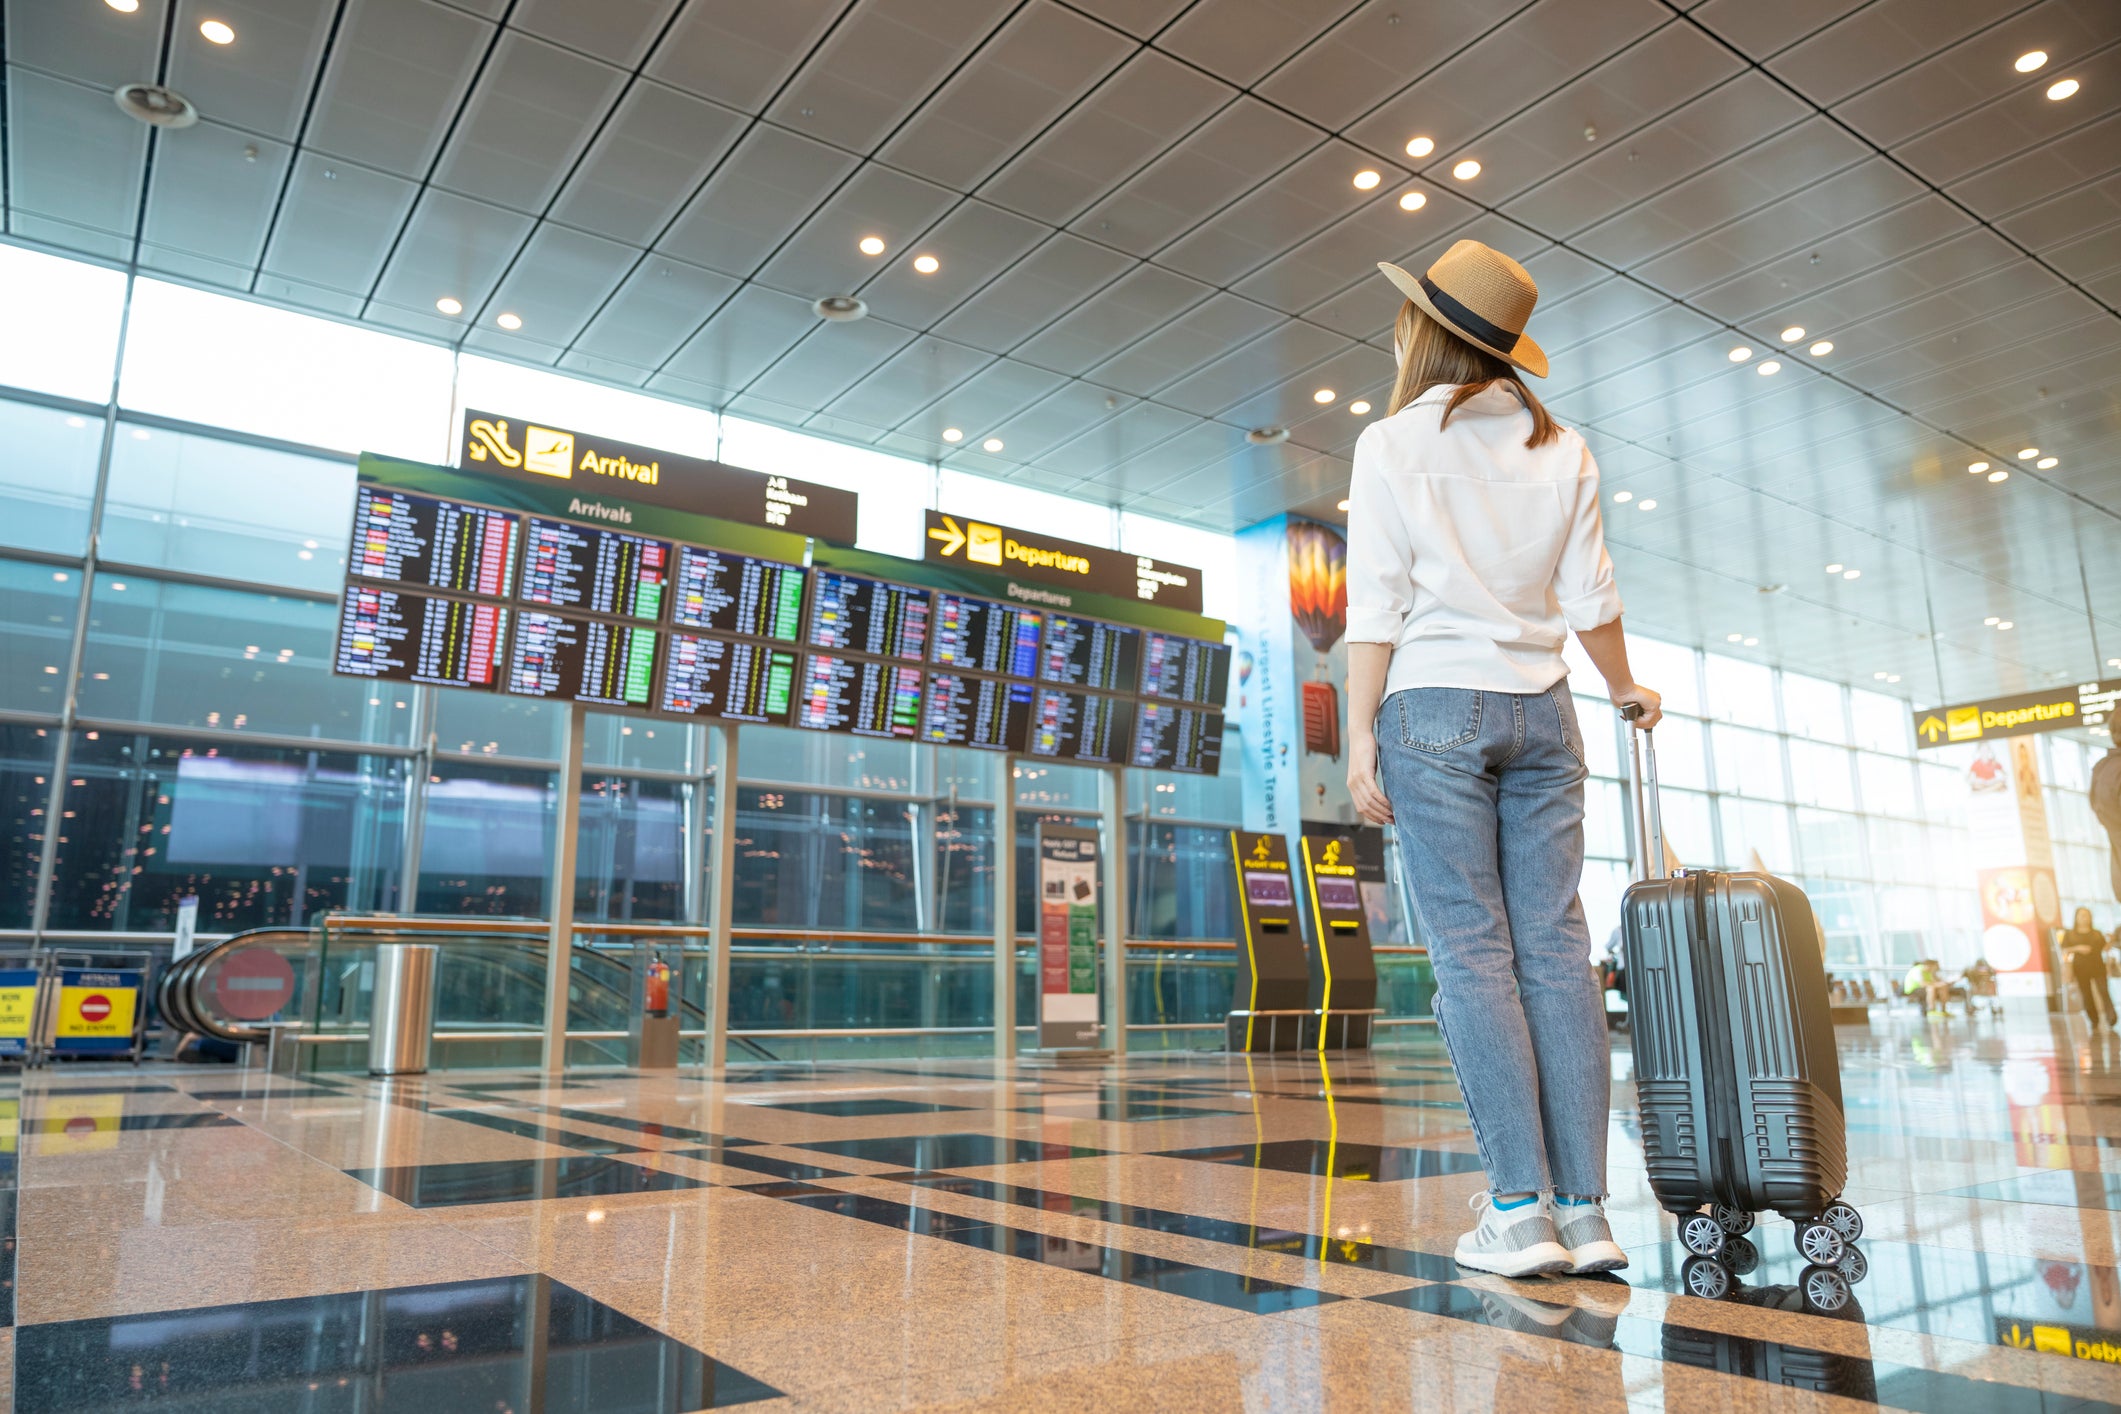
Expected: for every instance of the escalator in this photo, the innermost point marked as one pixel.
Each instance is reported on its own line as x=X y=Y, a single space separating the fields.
x=228 y=992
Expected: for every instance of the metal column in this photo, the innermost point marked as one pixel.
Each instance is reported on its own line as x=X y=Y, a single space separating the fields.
x=559 y=940
x=724 y=896
x=1004 y=877
x=1112 y=803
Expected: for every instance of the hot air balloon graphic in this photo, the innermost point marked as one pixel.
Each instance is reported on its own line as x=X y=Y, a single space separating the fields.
x=1318 y=601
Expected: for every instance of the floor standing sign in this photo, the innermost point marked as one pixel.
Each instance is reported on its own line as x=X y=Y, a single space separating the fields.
x=1343 y=972
x=1271 y=999
x=98 y=1012
x=1068 y=867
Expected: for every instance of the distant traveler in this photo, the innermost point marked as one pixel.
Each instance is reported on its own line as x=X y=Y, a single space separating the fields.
x=1474 y=546
x=2084 y=954
x=2106 y=804
x=1926 y=981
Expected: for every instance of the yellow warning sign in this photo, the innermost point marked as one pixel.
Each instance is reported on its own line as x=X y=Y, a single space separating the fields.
x=95 y=1012
x=17 y=1004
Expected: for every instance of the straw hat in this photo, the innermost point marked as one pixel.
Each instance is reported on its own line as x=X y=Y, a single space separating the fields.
x=1482 y=296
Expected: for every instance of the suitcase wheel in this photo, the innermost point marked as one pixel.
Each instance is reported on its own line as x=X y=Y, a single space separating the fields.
x=1741 y=1256
x=1824 y=1289
x=1706 y=1278
x=1819 y=1244
x=1735 y=1221
x=1853 y=1265
x=1703 y=1235
x=1844 y=1220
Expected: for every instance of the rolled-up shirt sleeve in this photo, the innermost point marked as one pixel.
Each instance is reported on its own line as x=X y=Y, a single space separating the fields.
x=1583 y=579
x=1380 y=557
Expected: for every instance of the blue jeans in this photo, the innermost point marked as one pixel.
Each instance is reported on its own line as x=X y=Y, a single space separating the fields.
x=1487 y=789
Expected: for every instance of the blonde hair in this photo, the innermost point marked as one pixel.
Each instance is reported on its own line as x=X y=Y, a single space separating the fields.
x=1433 y=356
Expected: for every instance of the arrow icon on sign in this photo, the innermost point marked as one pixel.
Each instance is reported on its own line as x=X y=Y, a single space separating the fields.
x=1931 y=727
x=953 y=539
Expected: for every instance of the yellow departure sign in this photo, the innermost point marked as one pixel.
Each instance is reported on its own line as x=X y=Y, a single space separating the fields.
x=2087 y=704
x=961 y=540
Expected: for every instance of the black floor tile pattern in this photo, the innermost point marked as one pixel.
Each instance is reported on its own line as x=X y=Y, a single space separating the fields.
x=405 y=1350
x=1371 y=1163
x=855 y=1109
x=758 y=1163
x=76 y=1124
x=2062 y=1188
x=1070 y=1107
x=519 y=1181
x=282 y=1091
x=654 y=1129
x=949 y=1151
x=531 y=1129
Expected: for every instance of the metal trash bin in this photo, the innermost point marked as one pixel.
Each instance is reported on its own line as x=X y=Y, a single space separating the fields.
x=401 y=1020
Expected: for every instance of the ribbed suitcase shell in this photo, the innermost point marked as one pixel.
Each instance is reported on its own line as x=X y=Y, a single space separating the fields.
x=1736 y=1075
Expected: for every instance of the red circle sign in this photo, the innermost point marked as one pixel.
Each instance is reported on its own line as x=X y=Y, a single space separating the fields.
x=95 y=1007
x=254 y=984
x=80 y=1124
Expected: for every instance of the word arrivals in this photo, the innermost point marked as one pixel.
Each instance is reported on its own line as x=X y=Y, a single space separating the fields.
x=600 y=511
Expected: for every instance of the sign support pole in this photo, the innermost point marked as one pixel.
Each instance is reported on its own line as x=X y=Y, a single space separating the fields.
x=1112 y=800
x=724 y=896
x=1004 y=876
x=559 y=941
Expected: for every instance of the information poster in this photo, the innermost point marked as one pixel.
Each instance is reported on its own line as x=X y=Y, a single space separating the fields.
x=1067 y=937
x=18 y=1003
x=96 y=1012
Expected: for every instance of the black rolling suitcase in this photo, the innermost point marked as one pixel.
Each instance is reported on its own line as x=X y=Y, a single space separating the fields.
x=1736 y=1075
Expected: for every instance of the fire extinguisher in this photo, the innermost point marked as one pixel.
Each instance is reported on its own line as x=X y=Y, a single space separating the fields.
x=658 y=988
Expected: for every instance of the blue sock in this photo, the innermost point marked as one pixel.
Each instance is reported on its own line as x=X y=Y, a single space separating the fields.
x=1511 y=1204
x=1571 y=1200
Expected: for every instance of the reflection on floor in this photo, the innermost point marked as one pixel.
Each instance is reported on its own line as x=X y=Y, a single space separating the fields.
x=1189 y=1231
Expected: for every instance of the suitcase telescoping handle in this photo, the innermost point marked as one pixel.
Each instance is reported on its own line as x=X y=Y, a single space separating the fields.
x=1649 y=812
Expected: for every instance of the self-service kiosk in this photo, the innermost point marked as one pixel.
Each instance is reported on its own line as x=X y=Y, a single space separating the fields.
x=1342 y=990
x=1271 y=1002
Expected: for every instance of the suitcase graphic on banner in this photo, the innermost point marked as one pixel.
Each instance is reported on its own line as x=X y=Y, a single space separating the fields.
x=1736 y=1075
x=1322 y=719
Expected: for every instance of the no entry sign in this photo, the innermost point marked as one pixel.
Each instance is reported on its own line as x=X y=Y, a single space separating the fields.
x=95 y=1007
x=254 y=984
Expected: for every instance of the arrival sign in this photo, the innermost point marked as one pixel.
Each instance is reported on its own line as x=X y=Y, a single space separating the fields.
x=2088 y=704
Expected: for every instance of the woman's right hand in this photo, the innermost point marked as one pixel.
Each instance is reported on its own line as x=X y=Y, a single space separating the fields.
x=1369 y=799
x=1636 y=695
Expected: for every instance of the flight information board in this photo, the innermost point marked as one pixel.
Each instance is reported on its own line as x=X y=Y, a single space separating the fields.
x=989 y=713
x=839 y=694
x=985 y=636
x=387 y=633
x=604 y=665
x=850 y=614
x=1185 y=669
x=737 y=681
x=1173 y=738
x=1079 y=726
x=569 y=566
x=420 y=541
x=1085 y=653
x=728 y=593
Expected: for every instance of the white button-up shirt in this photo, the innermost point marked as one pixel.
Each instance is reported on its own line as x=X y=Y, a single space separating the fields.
x=1470 y=553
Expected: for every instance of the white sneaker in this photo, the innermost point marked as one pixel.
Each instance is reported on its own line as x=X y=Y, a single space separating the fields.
x=1582 y=1229
x=1520 y=1242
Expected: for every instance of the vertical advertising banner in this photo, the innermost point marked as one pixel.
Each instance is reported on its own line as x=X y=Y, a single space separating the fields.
x=2014 y=859
x=1267 y=699
x=1067 y=937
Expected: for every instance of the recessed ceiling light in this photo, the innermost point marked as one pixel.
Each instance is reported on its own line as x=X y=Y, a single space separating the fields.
x=1892 y=677
x=1769 y=368
x=1420 y=146
x=123 y=7
x=1792 y=334
x=1467 y=170
x=1343 y=505
x=508 y=321
x=219 y=33
x=449 y=306
x=1834 y=569
x=2026 y=454
x=1977 y=467
x=2005 y=626
x=1992 y=620
x=1999 y=474
x=2031 y=60
x=992 y=444
x=1413 y=201
x=1741 y=354
x=953 y=434
x=1752 y=643
x=1623 y=497
x=870 y=245
x=1852 y=574
x=1324 y=395
x=1646 y=505
x=1879 y=676
x=1366 y=178
x=1734 y=638
x=2061 y=89
x=1359 y=406
x=2047 y=463
x=1822 y=348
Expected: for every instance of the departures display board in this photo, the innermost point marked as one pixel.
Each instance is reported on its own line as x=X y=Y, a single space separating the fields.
x=455 y=594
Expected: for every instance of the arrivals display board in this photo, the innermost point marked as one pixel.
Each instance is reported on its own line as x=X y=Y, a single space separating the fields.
x=458 y=579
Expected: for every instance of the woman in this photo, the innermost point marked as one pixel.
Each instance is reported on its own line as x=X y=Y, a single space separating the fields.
x=2084 y=949
x=1474 y=545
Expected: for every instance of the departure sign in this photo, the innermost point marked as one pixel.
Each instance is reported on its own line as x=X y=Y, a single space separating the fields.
x=417 y=540
x=867 y=699
x=1085 y=653
x=1185 y=669
x=988 y=713
x=604 y=665
x=1024 y=554
x=856 y=615
x=740 y=682
x=737 y=594
x=572 y=566
x=1173 y=738
x=986 y=636
x=1080 y=726
x=2088 y=704
x=385 y=633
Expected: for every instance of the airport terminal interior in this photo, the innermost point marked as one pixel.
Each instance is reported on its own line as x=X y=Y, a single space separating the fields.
x=674 y=688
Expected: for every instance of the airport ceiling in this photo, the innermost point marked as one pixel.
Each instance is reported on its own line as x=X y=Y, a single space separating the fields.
x=1154 y=234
